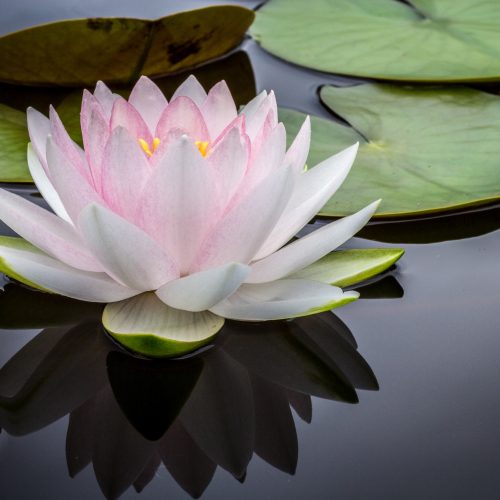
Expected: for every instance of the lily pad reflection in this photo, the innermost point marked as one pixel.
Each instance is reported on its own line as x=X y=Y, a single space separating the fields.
x=130 y=415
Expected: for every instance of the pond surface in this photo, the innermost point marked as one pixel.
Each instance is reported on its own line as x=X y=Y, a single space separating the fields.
x=429 y=332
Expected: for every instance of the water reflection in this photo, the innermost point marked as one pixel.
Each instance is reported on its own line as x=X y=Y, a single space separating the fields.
x=130 y=415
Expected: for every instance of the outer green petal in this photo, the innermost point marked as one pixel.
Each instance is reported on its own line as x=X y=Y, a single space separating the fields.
x=149 y=327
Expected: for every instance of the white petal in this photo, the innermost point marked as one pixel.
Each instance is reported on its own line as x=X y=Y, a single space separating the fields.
x=200 y=291
x=39 y=129
x=313 y=189
x=46 y=231
x=282 y=299
x=127 y=253
x=239 y=234
x=148 y=326
x=310 y=248
x=191 y=88
x=296 y=156
x=45 y=186
x=149 y=100
x=32 y=266
x=252 y=106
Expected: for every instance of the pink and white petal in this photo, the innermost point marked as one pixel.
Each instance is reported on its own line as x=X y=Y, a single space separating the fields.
x=229 y=160
x=313 y=189
x=243 y=229
x=126 y=252
x=310 y=248
x=282 y=299
x=36 y=268
x=46 y=231
x=182 y=113
x=297 y=153
x=219 y=109
x=149 y=101
x=105 y=97
x=256 y=119
x=252 y=106
x=69 y=148
x=95 y=139
x=90 y=104
x=39 y=130
x=44 y=185
x=201 y=291
x=238 y=123
x=73 y=189
x=126 y=116
x=269 y=158
x=125 y=170
x=178 y=204
x=191 y=88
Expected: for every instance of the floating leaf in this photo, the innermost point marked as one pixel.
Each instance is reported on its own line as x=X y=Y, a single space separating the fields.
x=421 y=40
x=82 y=51
x=347 y=267
x=13 y=143
x=421 y=150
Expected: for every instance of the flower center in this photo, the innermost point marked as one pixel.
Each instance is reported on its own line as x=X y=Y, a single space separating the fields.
x=145 y=146
x=202 y=147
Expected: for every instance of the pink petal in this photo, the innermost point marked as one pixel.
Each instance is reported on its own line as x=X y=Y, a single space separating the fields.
x=89 y=105
x=125 y=170
x=268 y=159
x=255 y=118
x=191 y=88
x=69 y=148
x=238 y=122
x=95 y=138
x=128 y=254
x=73 y=189
x=126 y=116
x=46 y=231
x=218 y=109
x=243 y=229
x=229 y=161
x=178 y=204
x=182 y=113
x=149 y=101
x=105 y=97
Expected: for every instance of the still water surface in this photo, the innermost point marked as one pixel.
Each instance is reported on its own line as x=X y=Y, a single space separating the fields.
x=430 y=335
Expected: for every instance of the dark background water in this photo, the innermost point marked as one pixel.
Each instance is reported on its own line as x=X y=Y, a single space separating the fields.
x=431 y=431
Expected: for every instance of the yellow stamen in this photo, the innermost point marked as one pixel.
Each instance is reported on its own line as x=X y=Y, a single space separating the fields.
x=202 y=147
x=145 y=146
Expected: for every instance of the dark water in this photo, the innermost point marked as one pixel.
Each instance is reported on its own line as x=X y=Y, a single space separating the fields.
x=429 y=337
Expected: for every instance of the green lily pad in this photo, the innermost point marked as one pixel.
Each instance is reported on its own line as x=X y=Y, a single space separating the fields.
x=422 y=150
x=82 y=51
x=147 y=326
x=13 y=143
x=347 y=267
x=421 y=40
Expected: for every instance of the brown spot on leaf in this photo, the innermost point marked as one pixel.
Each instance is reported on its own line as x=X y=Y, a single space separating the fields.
x=177 y=52
x=100 y=24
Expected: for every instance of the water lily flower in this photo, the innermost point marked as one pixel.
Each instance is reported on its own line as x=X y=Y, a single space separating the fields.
x=176 y=214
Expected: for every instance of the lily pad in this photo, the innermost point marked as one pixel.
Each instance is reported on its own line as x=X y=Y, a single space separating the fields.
x=13 y=143
x=422 y=150
x=417 y=40
x=82 y=51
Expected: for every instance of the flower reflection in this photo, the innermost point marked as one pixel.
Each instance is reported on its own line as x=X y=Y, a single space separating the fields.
x=130 y=415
